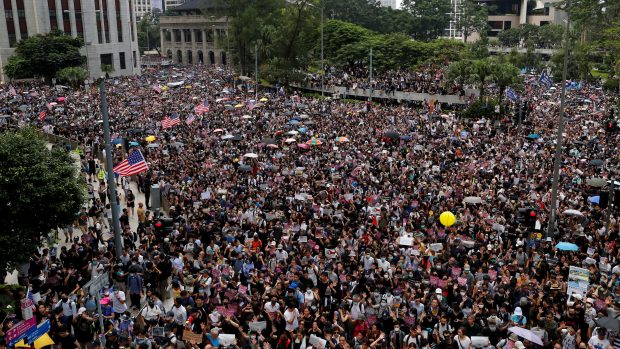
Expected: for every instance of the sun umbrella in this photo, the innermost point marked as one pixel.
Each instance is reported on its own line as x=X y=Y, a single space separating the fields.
x=609 y=323
x=391 y=134
x=117 y=141
x=225 y=137
x=236 y=138
x=290 y=140
x=572 y=213
x=342 y=139
x=303 y=146
x=250 y=155
x=263 y=99
x=406 y=138
x=229 y=107
x=245 y=168
x=566 y=246
x=533 y=136
x=292 y=133
x=596 y=182
x=218 y=130
x=272 y=146
x=153 y=145
x=314 y=141
x=43 y=341
x=268 y=141
x=293 y=121
x=150 y=138
x=303 y=116
x=134 y=144
x=473 y=200
x=418 y=147
x=596 y=162
x=595 y=199
x=239 y=106
x=302 y=129
x=246 y=116
x=526 y=334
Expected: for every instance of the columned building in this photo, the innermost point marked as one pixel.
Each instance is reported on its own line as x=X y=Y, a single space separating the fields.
x=194 y=37
x=108 y=28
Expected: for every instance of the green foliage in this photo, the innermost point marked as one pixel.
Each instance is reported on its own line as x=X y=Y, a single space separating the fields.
x=611 y=85
x=546 y=36
x=474 y=19
x=17 y=67
x=480 y=108
x=107 y=68
x=481 y=71
x=370 y=15
x=39 y=190
x=509 y=37
x=72 y=75
x=47 y=54
x=148 y=33
x=430 y=18
x=580 y=63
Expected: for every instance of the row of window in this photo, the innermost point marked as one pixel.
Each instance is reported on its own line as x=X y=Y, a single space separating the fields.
x=108 y=59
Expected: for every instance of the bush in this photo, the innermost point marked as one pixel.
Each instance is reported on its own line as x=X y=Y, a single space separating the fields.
x=611 y=84
x=480 y=108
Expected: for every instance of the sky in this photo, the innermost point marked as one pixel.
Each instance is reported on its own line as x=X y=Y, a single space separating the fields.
x=157 y=3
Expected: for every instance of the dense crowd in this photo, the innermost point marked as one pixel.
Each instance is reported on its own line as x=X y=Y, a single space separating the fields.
x=430 y=79
x=330 y=236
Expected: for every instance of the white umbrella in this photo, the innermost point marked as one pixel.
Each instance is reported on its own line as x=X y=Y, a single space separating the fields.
x=228 y=136
x=250 y=155
x=246 y=116
x=526 y=334
x=473 y=200
x=573 y=213
x=290 y=140
x=292 y=133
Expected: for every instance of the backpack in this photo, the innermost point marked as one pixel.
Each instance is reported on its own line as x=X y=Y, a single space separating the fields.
x=84 y=326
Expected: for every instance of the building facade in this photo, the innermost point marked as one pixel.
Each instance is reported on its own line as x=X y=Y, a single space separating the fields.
x=171 y=4
x=108 y=28
x=193 y=37
x=142 y=8
x=388 y=3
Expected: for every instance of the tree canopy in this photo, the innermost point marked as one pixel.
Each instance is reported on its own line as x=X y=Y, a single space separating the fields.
x=39 y=190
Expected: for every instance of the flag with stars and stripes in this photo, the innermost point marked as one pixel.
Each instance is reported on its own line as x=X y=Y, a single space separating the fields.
x=190 y=119
x=170 y=121
x=202 y=108
x=134 y=163
x=42 y=115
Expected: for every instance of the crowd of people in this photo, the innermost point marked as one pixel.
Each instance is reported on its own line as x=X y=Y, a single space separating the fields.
x=430 y=79
x=307 y=223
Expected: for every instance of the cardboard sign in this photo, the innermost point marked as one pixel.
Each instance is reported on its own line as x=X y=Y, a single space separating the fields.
x=317 y=341
x=462 y=281
x=190 y=336
x=409 y=320
x=405 y=241
x=257 y=326
x=226 y=339
x=243 y=289
x=456 y=272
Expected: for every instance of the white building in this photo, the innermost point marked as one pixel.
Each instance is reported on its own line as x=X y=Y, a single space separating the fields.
x=388 y=3
x=108 y=28
x=170 y=4
x=142 y=8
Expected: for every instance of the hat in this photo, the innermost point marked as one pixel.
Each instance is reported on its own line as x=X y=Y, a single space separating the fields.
x=438 y=291
x=273 y=243
x=519 y=345
x=104 y=301
x=170 y=314
x=518 y=311
x=513 y=337
x=578 y=296
x=279 y=246
x=81 y=311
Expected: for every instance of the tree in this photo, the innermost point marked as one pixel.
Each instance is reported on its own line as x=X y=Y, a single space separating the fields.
x=550 y=36
x=148 y=33
x=39 y=191
x=46 y=54
x=107 y=69
x=474 y=19
x=475 y=71
x=509 y=37
x=17 y=68
x=72 y=75
x=430 y=18
x=503 y=74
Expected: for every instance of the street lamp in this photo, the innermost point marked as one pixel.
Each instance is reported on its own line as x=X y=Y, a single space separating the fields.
x=322 y=63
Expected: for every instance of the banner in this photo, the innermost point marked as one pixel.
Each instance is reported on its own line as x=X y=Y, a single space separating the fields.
x=578 y=281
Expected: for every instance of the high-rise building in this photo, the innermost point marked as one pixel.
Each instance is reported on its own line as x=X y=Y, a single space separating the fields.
x=388 y=3
x=171 y=4
x=142 y=8
x=453 y=31
x=108 y=28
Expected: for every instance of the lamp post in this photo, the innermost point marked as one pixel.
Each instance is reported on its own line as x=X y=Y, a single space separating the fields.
x=558 y=143
x=322 y=61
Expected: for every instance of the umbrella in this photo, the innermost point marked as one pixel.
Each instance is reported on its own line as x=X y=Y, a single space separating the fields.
x=595 y=199
x=609 y=323
x=272 y=146
x=303 y=116
x=153 y=145
x=150 y=138
x=250 y=155
x=117 y=141
x=293 y=121
x=533 y=136
x=292 y=133
x=236 y=138
x=596 y=182
x=406 y=138
x=218 y=130
x=239 y=105
x=43 y=341
x=246 y=116
x=245 y=168
x=290 y=140
x=268 y=141
x=418 y=147
x=229 y=107
x=473 y=200
x=526 y=334
x=342 y=139
x=567 y=246
x=263 y=99
x=225 y=137
x=178 y=144
x=572 y=213
x=302 y=129
x=314 y=141
x=391 y=134
x=134 y=144
x=596 y=162
x=303 y=146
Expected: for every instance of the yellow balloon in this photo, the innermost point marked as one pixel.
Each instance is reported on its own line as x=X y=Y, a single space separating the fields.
x=447 y=219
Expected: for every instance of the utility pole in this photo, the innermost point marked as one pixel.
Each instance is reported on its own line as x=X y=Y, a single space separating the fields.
x=322 y=62
x=108 y=156
x=610 y=203
x=370 y=78
x=256 y=68
x=558 y=142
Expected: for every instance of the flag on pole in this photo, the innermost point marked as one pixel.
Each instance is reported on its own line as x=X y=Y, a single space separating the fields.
x=170 y=121
x=190 y=119
x=134 y=163
x=42 y=115
x=202 y=108
x=511 y=94
x=545 y=79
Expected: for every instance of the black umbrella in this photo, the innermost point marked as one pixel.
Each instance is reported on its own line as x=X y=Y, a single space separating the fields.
x=609 y=323
x=596 y=162
x=237 y=138
x=391 y=134
x=268 y=141
x=245 y=168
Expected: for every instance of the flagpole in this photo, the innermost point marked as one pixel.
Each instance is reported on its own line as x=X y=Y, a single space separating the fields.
x=558 y=143
x=109 y=164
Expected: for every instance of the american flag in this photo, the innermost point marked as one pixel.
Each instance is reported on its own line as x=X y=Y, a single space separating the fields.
x=134 y=163
x=202 y=108
x=190 y=119
x=42 y=115
x=170 y=121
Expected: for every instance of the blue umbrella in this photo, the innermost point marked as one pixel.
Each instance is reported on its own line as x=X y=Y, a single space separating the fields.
x=302 y=130
x=293 y=121
x=533 y=136
x=134 y=144
x=567 y=246
x=595 y=199
x=464 y=134
x=117 y=141
x=405 y=138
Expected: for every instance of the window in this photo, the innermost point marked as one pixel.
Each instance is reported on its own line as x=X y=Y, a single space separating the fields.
x=544 y=23
x=121 y=57
x=8 y=14
x=507 y=25
x=12 y=40
x=106 y=59
x=134 y=59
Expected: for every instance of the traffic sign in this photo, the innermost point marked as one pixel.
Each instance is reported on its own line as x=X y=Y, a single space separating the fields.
x=96 y=284
x=19 y=331
x=38 y=331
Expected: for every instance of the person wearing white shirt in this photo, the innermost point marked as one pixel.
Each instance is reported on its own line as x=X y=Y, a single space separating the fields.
x=291 y=316
x=599 y=339
x=272 y=307
x=118 y=302
x=281 y=254
x=368 y=261
x=151 y=312
x=69 y=309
